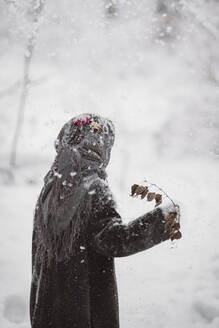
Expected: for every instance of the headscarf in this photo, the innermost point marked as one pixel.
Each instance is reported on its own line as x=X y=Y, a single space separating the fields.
x=83 y=149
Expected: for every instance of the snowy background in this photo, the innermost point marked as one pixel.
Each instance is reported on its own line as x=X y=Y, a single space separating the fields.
x=151 y=66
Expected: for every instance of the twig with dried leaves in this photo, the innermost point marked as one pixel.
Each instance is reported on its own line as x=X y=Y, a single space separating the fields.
x=172 y=224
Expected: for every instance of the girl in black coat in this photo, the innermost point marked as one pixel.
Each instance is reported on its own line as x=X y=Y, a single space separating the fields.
x=78 y=232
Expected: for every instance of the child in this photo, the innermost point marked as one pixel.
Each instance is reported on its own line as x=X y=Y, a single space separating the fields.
x=78 y=232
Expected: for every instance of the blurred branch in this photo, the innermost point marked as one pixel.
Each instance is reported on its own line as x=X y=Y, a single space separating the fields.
x=111 y=8
x=168 y=19
x=35 y=12
x=204 y=22
x=10 y=2
x=18 y=84
x=6 y=176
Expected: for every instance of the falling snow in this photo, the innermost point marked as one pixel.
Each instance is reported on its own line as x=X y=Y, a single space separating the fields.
x=152 y=67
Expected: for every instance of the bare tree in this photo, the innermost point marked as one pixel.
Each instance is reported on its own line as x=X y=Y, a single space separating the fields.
x=34 y=12
x=111 y=8
x=169 y=19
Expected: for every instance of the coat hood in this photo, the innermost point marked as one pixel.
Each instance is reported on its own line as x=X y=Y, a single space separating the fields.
x=89 y=138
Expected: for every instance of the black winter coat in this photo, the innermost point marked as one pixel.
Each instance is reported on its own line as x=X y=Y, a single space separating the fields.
x=82 y=292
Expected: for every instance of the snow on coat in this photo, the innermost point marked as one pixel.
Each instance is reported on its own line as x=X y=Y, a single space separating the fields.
x=78 y=232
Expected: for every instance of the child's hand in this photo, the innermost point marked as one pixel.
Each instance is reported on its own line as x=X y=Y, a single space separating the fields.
x=169 y=227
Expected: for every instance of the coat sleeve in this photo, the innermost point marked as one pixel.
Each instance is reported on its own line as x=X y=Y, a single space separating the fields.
x=116 y=239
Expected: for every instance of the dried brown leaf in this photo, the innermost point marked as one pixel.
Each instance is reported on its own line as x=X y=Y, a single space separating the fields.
x=168 y=225
x=176 y=226
x=133 y=189
x=158 y=199
x=144 y=193
x=171 y=216
x=176 y=235
x=139 y=190
x=150 y=196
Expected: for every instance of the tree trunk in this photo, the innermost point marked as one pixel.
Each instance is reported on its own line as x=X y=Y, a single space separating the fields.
x=35 y=11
